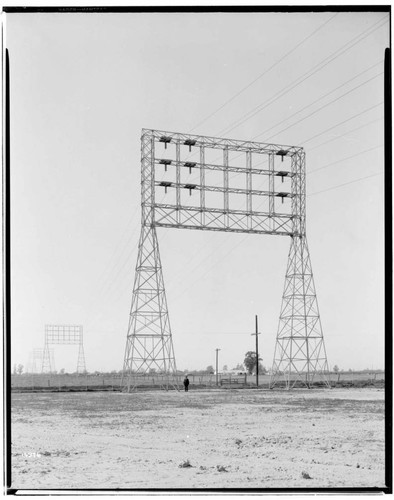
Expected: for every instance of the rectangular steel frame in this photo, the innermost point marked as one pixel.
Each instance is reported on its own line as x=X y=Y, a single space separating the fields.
x=204 y=217
x=63 y=335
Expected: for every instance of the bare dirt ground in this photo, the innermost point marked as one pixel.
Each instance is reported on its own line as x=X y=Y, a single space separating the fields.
x=203 y=439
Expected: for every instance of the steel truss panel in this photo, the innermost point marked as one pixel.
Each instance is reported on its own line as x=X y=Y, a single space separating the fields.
x=224 y=190
x=63 y=335
x=215 y=220
x=220 y=143
x=300 y=353
x=154 y=183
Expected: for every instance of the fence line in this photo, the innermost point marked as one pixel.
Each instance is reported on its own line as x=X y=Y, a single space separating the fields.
x=114 y=381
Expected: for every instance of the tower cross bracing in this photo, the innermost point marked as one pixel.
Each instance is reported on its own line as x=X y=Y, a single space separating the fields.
x=215 y=184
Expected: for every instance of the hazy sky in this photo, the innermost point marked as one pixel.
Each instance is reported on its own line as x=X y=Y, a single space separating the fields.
x=82 y=88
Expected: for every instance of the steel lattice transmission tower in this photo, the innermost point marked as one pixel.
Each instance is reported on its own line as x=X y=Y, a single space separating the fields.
x=300 y=348
x=196 y=174
x=149 y=340
x=300 y=352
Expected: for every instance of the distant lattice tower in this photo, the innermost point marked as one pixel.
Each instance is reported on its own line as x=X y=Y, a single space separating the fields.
x=63 y=335
x=300 y=356
x=37 y=356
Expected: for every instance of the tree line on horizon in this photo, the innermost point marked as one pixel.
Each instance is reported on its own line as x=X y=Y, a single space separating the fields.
x=248 y=366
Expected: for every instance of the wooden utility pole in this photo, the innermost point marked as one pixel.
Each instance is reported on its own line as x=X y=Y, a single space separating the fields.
x=257 y=351
x=217 y=364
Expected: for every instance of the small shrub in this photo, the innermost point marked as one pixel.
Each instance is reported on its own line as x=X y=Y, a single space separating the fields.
x=185 y=463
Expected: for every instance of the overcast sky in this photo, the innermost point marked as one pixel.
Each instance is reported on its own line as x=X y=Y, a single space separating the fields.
x=82 y=88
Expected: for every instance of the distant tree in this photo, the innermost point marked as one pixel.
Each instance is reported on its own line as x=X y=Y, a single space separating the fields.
x=210 y=369
x=240 y=367
x=225 y=368
x=250 y=361
x=19 y=369
x=336 y=369
x=15 y=370
x=62 y=371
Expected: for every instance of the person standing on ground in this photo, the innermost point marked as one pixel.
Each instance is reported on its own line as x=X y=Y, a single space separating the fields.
x=186 y=383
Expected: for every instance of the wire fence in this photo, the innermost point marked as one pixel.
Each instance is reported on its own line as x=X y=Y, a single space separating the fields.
x=114 y=382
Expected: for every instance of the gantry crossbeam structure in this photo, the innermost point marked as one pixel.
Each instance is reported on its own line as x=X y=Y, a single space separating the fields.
x=225 y=217
x=216 y=184
x=63 y=335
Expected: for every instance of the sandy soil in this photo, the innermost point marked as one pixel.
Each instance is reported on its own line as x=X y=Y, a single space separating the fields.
x=230 y=439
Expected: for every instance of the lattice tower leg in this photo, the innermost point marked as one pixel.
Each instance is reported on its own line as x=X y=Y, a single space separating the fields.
x=81 y=366
x=149 y=340
x=300 y=355
x=52 y=356
x=46 y=360
x=34 y=368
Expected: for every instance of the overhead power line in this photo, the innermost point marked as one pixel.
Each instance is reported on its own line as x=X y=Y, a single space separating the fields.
x=345 y=184
x=327 y=130
x=342 y=122
x=325 y=105
x=264 y=73
x=323 y=63
x=320 y=98
x=341 y=136
x=345 y=159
